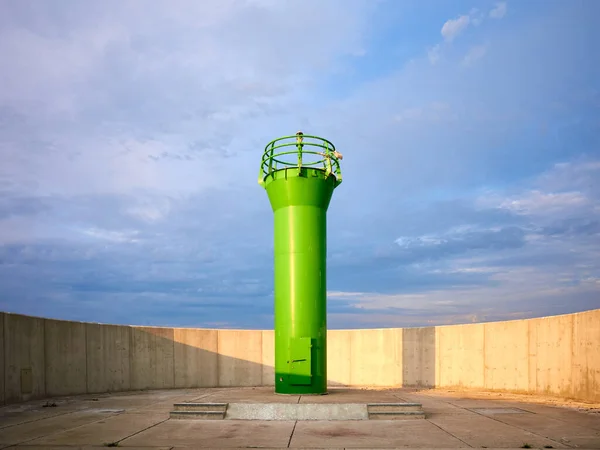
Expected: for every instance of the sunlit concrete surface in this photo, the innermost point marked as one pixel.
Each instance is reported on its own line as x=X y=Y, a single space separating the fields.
x=140 y=419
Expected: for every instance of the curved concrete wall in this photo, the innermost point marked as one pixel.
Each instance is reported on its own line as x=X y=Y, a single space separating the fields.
x=557 y=355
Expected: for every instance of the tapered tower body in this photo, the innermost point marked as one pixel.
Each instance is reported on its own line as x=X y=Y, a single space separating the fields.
x=300 y=174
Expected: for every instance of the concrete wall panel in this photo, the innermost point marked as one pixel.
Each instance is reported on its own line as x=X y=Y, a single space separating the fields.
x=152 y=358
x=2 y=400
x=107 y=358
x=507 y=355
x=240 y=358
x=418 y=357
x=376 y=357
x=532 y=357
x=554 y=355
x=268 y=358
x=196 y=360
x=339 y=352
x=586 y=356
x=551 y=349
x=24 y=376
x=460 y=358
x=65 y=357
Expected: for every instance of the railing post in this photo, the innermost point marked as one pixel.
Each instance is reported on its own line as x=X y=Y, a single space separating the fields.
x=271 y=158
x=299 y=145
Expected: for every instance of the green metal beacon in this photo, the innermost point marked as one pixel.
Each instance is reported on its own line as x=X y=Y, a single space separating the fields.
x=299 y=174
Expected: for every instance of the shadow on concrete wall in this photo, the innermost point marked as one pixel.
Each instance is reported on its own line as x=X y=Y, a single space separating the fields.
x=162 y=358
x=48 y=358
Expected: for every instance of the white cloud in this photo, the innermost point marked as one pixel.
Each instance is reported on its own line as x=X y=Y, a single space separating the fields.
x=475 y=53
x=103 y=102
x=454 y=27
x=565 y=190
x=150 y=209
x=433 y=54
x=457 y=232
x=518 y=292
x=112 y=235
x=581 y=175
x=476 y=17
x=537 y=202
x=499 y=11
x=425 y=240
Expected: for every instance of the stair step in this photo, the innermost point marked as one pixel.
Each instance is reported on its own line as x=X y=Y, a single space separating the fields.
x=198 y=415
x=395 y=415
x=198 y=407
x=394 y=407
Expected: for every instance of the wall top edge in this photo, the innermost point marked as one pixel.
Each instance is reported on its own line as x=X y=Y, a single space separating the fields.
x=589 y=311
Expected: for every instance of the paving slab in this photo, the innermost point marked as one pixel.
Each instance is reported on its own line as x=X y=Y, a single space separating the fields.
x=139 y=419
x=112 y=429
x=570 y=416
x=247 y=395
x=81 y=447
x=11 y=415
x=334 y=395
x=372 y=433
x=530 y=399
x=480 y=431
x=32 y=430
x=347 y=395
x=556 y=430
x=215 y=433
x=479 y=403
x=95 y=447
x=261 y=448
x=19 y=418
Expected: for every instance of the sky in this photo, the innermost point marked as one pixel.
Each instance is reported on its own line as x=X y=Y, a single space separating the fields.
x=131 y=134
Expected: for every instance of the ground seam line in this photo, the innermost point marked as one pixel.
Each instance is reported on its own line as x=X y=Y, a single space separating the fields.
x=436 y=425
x=447 y=432
x=292 y=435
x=68 y=429
x=397 y=396
x=38 y=419
x=141 y=431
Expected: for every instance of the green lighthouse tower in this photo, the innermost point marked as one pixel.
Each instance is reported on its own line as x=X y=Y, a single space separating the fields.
x=299 y=174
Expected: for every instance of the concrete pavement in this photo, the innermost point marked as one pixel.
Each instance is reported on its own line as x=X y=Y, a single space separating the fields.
x=140 y=419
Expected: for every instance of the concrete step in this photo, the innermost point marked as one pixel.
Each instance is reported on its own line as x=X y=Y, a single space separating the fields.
x=393 y=415
x=395 y=411
x=393 y=407
x=198 y=415
x=198 y=407
x=293 y=411
x=297 y=411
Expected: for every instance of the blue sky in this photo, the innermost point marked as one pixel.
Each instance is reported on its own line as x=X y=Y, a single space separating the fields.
x=131 y=133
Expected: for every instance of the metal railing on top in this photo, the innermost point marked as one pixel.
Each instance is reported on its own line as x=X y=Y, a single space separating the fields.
x=309 y=151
